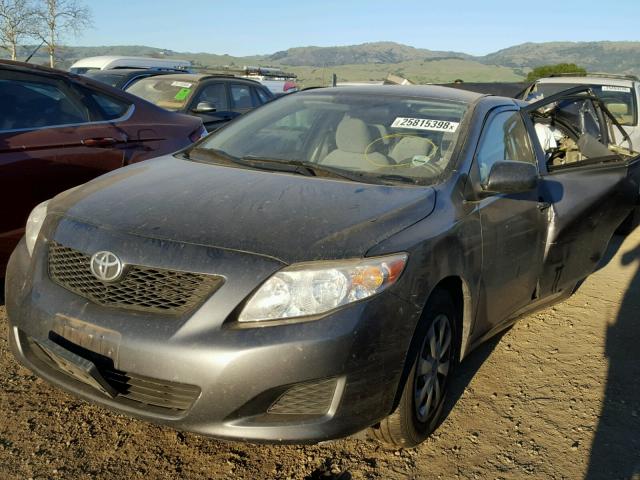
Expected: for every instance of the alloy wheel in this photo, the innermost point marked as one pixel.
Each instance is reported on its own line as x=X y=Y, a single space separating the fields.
x=432 y=368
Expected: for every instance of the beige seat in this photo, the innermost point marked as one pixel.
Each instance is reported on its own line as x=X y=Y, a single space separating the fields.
x=353 y=140
x=410 y=146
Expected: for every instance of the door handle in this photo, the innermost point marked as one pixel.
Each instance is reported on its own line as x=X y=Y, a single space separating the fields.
x=99 y=142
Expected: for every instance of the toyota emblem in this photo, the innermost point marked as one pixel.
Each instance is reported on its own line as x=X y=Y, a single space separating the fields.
x=106 y=266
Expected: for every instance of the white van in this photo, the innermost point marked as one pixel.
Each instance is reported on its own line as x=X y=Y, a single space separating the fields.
x=108 y=62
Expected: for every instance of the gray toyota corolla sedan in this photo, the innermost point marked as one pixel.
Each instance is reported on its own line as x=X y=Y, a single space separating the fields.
x=320 y=265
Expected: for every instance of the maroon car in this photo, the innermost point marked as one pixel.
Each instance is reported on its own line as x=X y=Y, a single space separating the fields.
x=59 y=130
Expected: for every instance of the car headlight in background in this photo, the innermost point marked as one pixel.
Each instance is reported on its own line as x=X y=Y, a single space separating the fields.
x=317 y=287
x=34 y=224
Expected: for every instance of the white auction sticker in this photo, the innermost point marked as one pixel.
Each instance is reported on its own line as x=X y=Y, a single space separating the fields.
x=609 y=88
x=425 y=124
x=181 y=84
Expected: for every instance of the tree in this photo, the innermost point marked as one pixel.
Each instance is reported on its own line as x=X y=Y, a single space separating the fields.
x=547 y=70
x=16 y=22
x=57 y=18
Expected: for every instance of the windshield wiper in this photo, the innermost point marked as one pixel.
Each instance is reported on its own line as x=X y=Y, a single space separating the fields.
x=392 y=177
x=212 y=154
x=295 y=166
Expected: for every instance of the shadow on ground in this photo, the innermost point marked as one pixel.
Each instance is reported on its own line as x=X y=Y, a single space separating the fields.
x=467 y=370
x=614 y=246
x=615 y=452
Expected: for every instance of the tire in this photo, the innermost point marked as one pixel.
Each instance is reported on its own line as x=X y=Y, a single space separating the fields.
x=420 y=408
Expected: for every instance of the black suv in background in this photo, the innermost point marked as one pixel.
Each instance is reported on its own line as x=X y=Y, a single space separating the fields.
x=216 y=99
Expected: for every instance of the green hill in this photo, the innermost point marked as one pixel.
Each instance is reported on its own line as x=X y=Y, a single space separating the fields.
x=426 y=71
x=315 y=65
x=612 y=57
x=366 y=53
x=374 y=61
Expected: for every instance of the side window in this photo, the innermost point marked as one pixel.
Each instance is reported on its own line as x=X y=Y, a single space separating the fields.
x=505 y=138
x=241 y=97
x=262 y=97
x=621 y=102
x=110 y=108
x=215 y=94
x=35 y=104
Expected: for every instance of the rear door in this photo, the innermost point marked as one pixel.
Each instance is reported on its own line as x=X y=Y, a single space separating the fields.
x=590 y=183
x=243 y=98
x=263 y=95
x=53 y=136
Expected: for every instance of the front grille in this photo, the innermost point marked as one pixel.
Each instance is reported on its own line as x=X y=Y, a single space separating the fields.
x=177 y=397
x=311 y=398
x=151 y=391
x=141 y=288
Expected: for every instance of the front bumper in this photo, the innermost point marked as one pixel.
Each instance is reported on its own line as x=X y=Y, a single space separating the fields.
x=236 y=374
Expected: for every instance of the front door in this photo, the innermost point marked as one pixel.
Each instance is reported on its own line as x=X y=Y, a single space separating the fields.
x=214 y=94
x=513 y=225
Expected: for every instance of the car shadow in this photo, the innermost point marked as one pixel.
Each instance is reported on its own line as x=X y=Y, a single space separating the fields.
x=466 y=370
x=615 y=452
x=614 y=246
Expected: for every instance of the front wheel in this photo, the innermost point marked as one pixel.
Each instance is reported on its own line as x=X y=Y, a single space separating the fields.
x=420 y=408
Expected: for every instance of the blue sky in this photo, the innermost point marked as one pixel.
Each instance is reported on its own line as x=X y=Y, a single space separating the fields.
x=254 y=27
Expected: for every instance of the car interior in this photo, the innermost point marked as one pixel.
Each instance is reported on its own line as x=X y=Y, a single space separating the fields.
x=580 y=132
x=357 y=140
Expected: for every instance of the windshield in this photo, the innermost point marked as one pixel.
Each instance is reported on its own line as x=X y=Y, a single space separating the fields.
x=620 y=101
x=410 y=139
x=82 y=70
x=169 y=93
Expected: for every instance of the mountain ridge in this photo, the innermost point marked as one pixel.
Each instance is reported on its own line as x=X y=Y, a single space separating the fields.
x=374 y=60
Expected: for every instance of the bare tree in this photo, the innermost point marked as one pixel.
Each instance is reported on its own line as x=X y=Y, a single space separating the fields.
x=57 y=18
x=16 y=23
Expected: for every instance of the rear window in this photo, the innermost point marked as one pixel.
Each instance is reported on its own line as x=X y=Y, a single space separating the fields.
x=110 y=79
x=167 y=93
x=619 y=100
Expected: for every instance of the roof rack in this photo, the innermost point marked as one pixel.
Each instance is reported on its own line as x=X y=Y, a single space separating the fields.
x=155 y=69
x=597 y=74
x=248 y=71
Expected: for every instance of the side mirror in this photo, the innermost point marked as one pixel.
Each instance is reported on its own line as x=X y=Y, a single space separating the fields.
x=509 y=176
x=205 y=107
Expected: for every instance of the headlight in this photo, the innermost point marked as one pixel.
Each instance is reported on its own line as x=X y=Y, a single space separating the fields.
x=34 y=224
x=318 y=287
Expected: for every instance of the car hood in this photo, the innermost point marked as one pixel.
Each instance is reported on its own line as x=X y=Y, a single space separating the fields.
x=289 y=217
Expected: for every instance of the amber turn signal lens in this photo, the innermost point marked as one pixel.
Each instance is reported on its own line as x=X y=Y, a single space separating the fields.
x=370 y=278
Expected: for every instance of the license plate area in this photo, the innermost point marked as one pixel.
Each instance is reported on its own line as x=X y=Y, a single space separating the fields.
x=76 y=366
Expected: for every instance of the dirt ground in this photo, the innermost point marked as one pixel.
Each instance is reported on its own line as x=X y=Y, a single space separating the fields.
x=557 y=396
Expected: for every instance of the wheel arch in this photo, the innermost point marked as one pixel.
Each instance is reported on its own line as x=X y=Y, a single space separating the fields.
x=460 y=293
